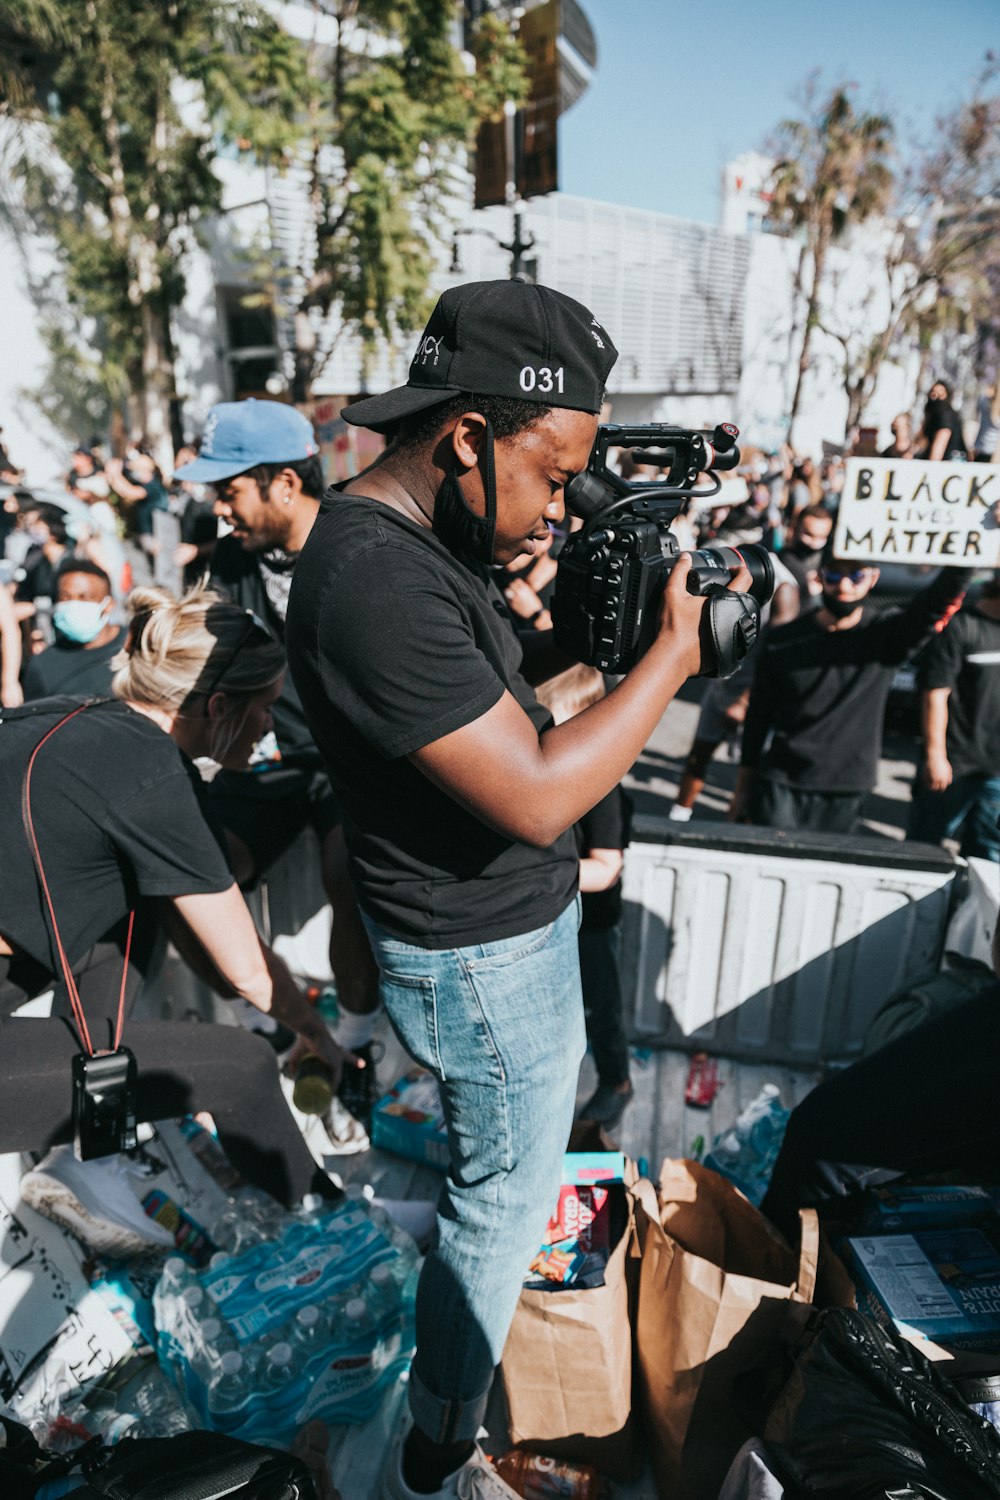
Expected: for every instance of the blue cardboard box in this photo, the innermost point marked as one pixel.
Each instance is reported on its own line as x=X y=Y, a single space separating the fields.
x=905 y=1209
x=409 y=1121
x=939 y=1284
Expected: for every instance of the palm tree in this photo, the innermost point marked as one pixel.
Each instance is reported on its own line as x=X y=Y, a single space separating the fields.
x=832 y=172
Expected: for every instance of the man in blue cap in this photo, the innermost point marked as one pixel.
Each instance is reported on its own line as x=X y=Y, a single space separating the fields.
x=460 y=795
x=262 y=460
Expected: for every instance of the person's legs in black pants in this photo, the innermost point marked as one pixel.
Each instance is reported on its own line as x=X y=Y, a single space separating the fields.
x=924 y=1103
x=183 y=1068
x=602 y=1003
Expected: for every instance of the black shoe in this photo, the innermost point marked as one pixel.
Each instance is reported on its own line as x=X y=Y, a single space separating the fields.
x=606 y=1105
x=358 y=1089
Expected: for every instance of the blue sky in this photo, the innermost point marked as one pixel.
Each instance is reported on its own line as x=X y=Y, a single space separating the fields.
x=683 y=86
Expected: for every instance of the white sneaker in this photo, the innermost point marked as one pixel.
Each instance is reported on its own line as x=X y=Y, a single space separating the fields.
x=475 y=1480
x=336 y=1133
x=95 y=1200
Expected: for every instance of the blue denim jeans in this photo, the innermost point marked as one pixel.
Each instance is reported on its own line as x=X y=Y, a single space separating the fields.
x=969 y=808
x=500 y=1025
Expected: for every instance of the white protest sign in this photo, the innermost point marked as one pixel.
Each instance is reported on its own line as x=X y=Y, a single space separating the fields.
x=908 y=510
x=55 y=1333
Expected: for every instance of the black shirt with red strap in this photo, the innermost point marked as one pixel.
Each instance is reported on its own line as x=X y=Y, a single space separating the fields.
x=118 y=812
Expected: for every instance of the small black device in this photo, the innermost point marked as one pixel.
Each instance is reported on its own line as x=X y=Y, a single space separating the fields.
x=104 y=1103
x=612 y=573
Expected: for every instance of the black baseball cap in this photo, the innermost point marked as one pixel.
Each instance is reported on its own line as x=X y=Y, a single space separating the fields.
x=499 y=338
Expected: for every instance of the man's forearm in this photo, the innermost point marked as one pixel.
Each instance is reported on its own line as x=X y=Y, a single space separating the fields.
x=934 y=720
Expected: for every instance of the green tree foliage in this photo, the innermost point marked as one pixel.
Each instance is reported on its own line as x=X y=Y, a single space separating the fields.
x=391 y=112
x=833 y=171
x=123 y=108
x=938 y=271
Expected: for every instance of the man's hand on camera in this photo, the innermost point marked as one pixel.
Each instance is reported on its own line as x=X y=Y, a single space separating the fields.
x=681 y=613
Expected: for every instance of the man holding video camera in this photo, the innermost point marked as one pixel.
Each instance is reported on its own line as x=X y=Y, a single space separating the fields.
x=460 y=794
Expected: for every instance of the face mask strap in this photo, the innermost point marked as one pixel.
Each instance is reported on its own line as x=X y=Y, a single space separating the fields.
x=490 y=487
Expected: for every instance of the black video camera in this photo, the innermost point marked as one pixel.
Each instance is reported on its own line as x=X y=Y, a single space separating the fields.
x=612 y=573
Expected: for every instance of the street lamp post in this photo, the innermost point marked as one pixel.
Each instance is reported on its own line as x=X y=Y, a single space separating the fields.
x=517 y=246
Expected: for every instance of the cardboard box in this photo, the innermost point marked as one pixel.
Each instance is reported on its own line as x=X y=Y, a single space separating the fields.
x=409 y=1121
x=938 y=1284
x=901 y=1208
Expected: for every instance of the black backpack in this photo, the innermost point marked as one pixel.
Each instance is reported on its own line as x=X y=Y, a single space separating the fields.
x=854 y=1412
x=191 y=1466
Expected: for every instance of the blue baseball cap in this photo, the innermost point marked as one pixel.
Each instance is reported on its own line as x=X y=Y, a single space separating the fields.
x=239 y=435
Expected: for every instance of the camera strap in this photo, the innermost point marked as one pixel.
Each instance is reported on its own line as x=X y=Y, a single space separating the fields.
x=76 y=1004
x=733 y=624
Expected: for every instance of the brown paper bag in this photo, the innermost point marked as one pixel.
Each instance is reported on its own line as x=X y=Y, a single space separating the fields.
x=567 y=1368
x=716 y=1281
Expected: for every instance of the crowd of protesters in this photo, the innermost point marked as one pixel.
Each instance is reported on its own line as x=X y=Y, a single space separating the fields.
x=808 y=707
x=70 y=560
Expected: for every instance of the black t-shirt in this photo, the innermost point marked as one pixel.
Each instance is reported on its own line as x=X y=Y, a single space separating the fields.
x=966 y=659
x=394 y=644
x=823 y=692
x=66 y=668
x=39 y=581
x=605 y=826
x=118 y=814
x=942 y=414
x=238 y=573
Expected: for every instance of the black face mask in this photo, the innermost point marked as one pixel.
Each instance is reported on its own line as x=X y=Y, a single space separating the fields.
x=469 y=537
x=809 y=555
x=840 y=608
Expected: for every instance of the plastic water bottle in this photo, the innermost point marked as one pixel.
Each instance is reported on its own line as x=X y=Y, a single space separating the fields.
x=250 y=1218
x=401 y=1242
x=195 y=1303
x=232 y=1387
x=356 y=1323
x=211 y=1341
x=280 y=1367
x=383 y=1294
x=307 y=1331
x=234 y=1234
x=158 y=1408
x=266 y=1211
x=313 y=1209
x=176 y=1276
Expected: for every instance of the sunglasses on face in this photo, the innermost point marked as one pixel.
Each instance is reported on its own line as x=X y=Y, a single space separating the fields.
x=834 y=575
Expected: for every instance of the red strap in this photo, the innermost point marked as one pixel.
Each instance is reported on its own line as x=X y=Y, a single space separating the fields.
x=71 y=989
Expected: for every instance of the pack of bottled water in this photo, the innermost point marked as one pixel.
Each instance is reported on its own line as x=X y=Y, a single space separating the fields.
x=297 y=1316
x=747 y=1152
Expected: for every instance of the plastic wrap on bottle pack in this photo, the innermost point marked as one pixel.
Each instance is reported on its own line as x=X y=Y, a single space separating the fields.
x=315 y=1321
x=747 y=1152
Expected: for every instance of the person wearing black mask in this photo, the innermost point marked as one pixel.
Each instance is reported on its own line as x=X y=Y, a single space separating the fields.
x=820 y=691
x=802 y=555
x=942 y=434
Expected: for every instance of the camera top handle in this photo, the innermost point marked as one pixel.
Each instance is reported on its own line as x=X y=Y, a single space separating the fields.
x=684 y=452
